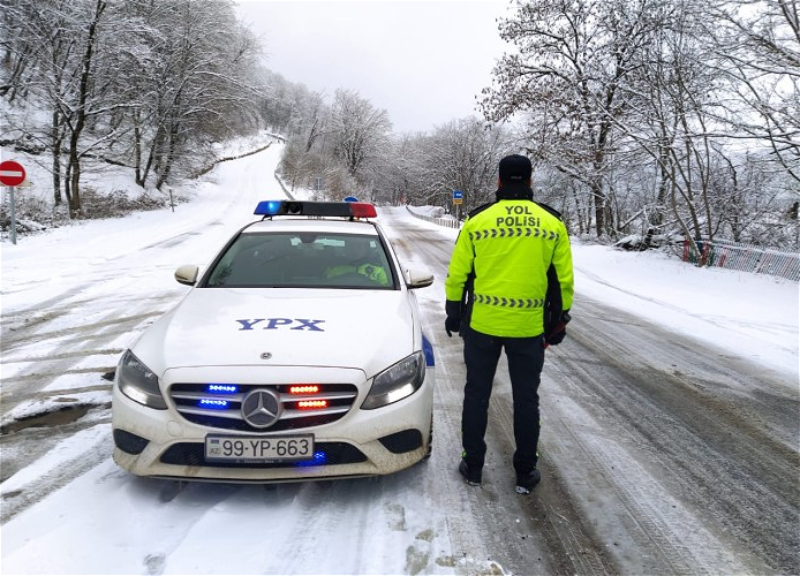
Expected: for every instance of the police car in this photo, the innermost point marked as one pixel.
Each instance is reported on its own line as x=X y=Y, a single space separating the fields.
x=297 y=354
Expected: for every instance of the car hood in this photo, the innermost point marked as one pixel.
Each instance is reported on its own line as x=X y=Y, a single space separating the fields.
x=369 y=330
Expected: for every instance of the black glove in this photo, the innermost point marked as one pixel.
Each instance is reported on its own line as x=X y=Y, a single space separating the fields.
x=453 y=321
x=555 y=338
x=557 y=333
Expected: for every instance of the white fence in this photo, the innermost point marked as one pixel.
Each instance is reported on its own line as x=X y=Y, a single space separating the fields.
x=734 y=256
x=447 y=222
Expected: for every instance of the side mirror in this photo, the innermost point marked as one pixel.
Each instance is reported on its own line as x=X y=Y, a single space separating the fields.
x=418 y=278
x=187 y=275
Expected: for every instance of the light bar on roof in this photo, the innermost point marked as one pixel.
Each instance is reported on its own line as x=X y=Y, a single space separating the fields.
x=269 y=208
x=363 y=210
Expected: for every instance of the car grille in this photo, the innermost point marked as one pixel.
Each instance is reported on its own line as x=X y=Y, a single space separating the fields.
x=220 y=405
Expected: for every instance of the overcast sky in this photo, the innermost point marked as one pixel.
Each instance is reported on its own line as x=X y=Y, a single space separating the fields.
x=422 y=61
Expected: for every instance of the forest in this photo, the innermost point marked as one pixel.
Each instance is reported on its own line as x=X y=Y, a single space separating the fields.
x=658 y=118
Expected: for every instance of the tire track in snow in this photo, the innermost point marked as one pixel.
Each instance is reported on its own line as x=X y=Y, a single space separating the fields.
x=38 y=481
x=661 y=441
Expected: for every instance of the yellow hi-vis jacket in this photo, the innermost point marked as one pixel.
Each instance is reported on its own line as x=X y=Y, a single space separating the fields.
x=509 y=246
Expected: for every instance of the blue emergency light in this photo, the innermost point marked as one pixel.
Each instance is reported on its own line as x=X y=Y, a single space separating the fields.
x=318 y=459
x=270 y=208
x=222 y=388
x=213 y=403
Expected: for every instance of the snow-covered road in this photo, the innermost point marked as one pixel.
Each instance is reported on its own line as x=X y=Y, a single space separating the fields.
x=660 y=452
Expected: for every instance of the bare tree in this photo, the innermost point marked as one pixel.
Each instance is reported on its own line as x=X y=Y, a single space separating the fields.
x=671 y=120
x=680 y=103
x=572 y=56
x=404 y=177
x=358 y=129
x=137 y=83
x=49 y=55
x=463 y=155
x=193 y=78
x=76 y=119
x=759 y=45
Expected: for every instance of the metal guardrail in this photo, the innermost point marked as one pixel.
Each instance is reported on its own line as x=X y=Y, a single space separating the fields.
x=283 y=186
x=741 y=257
x=446 y=222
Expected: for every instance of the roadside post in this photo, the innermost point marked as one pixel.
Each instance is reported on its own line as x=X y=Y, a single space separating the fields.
x=12 y=174
x=458 y=198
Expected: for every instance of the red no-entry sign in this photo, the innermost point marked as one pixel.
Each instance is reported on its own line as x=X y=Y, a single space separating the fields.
x=11 y=173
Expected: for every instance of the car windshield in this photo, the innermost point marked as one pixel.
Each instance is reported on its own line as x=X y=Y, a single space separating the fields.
x=304 y=260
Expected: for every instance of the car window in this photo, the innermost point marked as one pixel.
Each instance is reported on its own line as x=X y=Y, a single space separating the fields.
x=307 y=260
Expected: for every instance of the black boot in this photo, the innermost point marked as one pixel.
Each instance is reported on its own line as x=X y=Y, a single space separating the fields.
x=526 y=482
x=472 y=476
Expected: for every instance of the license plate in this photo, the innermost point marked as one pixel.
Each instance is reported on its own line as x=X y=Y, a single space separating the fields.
x=257 y=449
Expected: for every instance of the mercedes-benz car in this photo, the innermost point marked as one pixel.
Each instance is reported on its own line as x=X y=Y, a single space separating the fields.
x=297 y=354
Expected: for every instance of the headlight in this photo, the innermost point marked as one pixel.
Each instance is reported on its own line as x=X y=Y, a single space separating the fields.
x=138 y=383
x=396 y=382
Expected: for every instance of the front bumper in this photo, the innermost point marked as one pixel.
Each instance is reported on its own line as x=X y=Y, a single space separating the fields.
x=162 y=443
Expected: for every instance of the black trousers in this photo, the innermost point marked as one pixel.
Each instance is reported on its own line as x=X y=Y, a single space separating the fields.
x=525 y=360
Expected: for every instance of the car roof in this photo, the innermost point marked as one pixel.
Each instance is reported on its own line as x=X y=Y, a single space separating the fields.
x=304 y=224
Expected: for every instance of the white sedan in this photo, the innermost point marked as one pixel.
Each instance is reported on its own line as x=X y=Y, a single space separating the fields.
x=298 y=354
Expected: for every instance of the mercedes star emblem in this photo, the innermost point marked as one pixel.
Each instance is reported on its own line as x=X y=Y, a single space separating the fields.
x=261 y=408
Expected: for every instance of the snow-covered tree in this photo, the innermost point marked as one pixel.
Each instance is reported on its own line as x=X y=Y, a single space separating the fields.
x=563 y=81
x=136 y=82
x=51 y=51
x=193 y=74
x=358 y=129
x=463 y=155
x=759 y=43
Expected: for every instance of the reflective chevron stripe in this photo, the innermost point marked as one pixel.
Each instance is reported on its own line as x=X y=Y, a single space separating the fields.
x=513 y=233
x=509 y=302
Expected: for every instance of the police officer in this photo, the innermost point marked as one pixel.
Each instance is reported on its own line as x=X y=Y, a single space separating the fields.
x=515 y=257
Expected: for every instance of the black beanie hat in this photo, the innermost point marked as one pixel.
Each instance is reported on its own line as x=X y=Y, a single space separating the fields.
x=515 y=174
x=515 y=169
